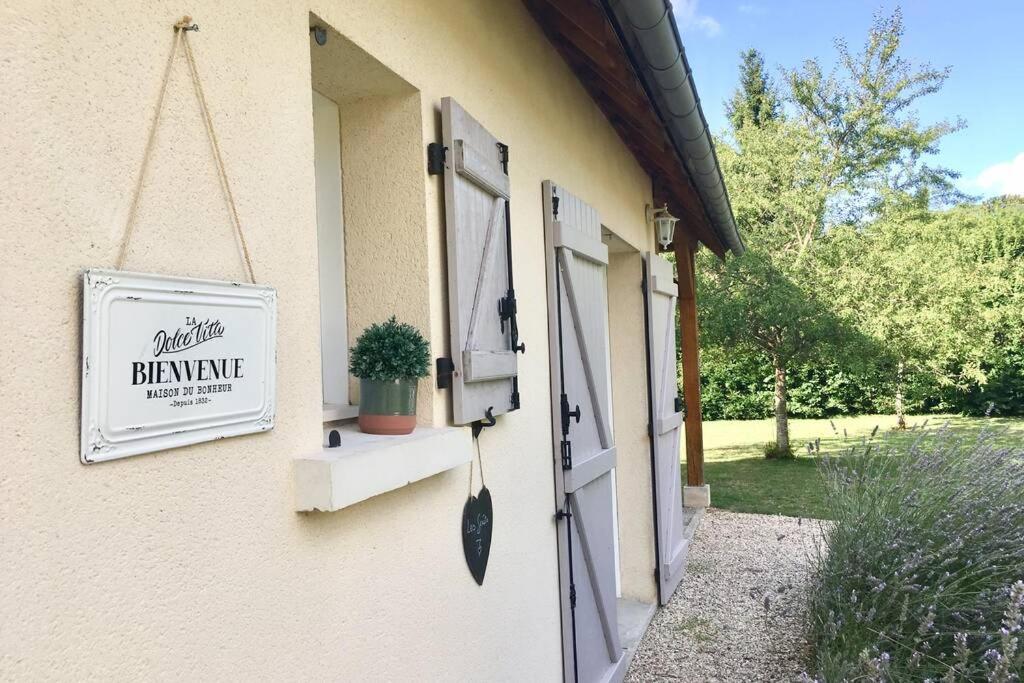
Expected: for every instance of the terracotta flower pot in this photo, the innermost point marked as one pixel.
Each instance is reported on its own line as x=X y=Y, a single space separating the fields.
x=387 y=407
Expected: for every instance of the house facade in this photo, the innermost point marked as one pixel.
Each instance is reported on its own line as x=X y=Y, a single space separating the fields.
x=484 y=171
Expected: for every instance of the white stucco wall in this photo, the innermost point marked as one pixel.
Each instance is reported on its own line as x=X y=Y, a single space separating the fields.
x=191 y=564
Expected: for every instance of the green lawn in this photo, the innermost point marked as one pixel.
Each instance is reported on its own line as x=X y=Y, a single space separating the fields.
x=743 y=480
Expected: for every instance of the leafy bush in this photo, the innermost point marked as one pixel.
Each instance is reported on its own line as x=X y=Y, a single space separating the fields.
x=389 y=351
x=773 y=452
x=921 y=576
x=737 y=385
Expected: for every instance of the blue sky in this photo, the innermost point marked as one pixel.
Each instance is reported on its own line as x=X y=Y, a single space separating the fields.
x=983 y=42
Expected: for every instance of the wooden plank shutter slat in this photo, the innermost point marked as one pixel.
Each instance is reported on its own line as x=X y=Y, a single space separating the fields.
x=597 y=398
x=482 y=366
x=663 y=285
x=672 y=547
x=589 y=470
x=475 y=166
x=605 y=598
x=477 y=195
x=580 y=244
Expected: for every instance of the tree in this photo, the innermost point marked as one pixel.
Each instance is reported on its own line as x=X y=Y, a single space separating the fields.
x=863 y=114
x=749 y=303
x=847 y=149
x=756 y=101
x=941 y=290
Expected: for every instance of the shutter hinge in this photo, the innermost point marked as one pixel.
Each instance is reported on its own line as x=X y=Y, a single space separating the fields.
x=650 y=431
x=554 y=205
x=503 y=151
x=444 y=367
x=562 y=514
x=514 y=400
x=435 y=158
x=572 y=596
x=680 y=406
x=566 y=455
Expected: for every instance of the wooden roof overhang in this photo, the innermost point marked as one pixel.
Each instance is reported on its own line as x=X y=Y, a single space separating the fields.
x=582 y=33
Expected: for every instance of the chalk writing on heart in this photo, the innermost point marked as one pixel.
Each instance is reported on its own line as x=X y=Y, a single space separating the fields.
x=477 y=527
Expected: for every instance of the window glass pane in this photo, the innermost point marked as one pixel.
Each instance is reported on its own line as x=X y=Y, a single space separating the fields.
x=331 y=250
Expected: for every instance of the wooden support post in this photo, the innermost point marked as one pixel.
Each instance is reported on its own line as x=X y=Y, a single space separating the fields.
x=688 y=338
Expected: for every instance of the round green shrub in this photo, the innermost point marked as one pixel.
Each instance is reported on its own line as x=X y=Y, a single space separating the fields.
x=389 y=351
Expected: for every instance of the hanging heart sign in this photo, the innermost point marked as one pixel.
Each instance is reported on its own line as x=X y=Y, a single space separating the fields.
x=477 y=524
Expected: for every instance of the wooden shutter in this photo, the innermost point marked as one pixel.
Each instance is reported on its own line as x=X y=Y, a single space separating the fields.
x=583 y=439
x=666 y=423
x=481 y=300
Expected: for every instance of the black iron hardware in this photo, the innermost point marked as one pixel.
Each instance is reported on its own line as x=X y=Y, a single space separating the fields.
x=436 y=153
x=562 y=514
x=566 y=455
x=503 y=151
x=333 y=439
x=514 y=399
x=566 y=414
x=507 y=311
x=444 y=367
x=680 y=406
x=572 y=596
x=488 y=421
x=554 y=205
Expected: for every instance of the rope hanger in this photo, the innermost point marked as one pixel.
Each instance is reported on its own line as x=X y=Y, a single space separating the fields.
x=181 y=30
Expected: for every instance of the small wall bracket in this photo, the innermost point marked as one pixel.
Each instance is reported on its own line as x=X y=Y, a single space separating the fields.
x=436 y=153
x=443 y=369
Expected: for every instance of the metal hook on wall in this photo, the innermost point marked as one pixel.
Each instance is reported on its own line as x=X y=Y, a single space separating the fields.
x=480 y=425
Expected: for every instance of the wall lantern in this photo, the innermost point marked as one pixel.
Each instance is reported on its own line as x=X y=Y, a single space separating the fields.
x=664 y=224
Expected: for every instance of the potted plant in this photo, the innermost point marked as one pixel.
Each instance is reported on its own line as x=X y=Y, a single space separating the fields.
x=389 y=358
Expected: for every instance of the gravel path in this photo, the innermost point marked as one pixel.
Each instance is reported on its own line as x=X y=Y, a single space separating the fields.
x=717 y=627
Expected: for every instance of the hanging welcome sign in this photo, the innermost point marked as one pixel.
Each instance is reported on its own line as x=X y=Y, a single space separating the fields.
x=170 y=361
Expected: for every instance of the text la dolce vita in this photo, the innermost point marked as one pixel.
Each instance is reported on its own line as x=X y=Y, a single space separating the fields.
x=195 y=333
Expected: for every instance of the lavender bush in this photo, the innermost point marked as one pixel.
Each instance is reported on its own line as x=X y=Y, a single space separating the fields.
x=921 y=575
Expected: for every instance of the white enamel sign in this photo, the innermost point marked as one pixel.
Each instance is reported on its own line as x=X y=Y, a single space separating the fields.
x=169 y=361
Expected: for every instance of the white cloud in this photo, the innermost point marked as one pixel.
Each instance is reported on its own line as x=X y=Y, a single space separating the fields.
x=690 y=19
x=1003 y=178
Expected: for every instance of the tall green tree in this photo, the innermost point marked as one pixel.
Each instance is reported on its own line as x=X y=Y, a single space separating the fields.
x=756 y=100
x=864 y=113
x=847 y=148
x=764 y=301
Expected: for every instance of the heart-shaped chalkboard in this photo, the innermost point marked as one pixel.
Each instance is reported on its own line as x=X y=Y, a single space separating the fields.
x=477 y=525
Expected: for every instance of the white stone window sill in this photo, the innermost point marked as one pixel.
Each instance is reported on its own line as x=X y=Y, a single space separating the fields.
x=366 y=465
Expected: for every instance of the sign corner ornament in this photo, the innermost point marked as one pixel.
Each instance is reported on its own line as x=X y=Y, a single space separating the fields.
x=171 y=361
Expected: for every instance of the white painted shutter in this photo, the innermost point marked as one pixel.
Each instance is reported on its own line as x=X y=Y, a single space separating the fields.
x=476 y=193
x=666 y=423
x=578 y=295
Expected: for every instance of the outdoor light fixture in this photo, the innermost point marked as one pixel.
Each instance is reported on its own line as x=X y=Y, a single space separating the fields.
x=664 y=224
